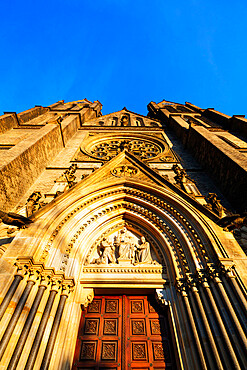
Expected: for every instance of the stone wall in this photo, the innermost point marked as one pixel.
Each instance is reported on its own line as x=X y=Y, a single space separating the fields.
x=227 y=166
x=24 y=163
x=7 y=122
x=29 y=114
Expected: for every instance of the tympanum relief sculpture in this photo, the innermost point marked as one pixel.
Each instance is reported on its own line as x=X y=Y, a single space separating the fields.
x=123 y=248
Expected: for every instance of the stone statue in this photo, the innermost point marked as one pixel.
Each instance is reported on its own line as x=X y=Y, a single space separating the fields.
x=14 y=219
x=68 y=176
x=124 y=121
x=123 y=242
x=106 y=252
x=181 y=176
x=124 y=250
x=213 y=203
x=143 y=252
x=33 y=203
x=184 y=181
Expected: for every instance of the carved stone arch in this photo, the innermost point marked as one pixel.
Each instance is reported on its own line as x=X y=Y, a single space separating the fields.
x=82 y=225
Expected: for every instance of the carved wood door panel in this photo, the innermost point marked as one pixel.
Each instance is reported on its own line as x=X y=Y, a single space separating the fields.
x=123 y=332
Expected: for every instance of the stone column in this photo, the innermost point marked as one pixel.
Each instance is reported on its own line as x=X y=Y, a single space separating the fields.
x=242 y=298
x=42 y=325
x=182 y=289
x=230 y=349
x=230 y=274
x=55 y=327
x=27 y=326
x=215 y=330
x=10 y=293
x=217 y=280
x=216 y=361
x=13 y=321
x=188 y=342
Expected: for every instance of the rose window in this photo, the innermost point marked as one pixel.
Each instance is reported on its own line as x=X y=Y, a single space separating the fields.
x=140 y=148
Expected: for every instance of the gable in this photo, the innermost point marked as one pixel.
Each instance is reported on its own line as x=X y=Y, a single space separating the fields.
x=125 y=169
x=123 y=118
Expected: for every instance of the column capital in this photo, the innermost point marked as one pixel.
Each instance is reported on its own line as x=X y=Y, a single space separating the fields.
x=26 y=266
x=56 y=281
x=213 y=273
x=67 y=286
x=202 y=278
x=181 y=286
x=227 y=267
x=191 y=282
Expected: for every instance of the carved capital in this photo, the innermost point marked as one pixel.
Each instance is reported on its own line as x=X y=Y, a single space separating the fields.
x=67 y=286
x=33 y=274
x=44 y=281
x=46 y=276
x=23 y=264
x=21 y=269
x=56 y=281
x=202 y=278
x=191 y=282
x=227 y=267
x=213 y=273
x=181 y=286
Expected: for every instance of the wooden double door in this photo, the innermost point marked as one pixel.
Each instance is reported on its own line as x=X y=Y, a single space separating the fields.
x=123 y=332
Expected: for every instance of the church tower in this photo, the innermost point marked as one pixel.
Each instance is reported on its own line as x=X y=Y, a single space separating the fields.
x=123 y=238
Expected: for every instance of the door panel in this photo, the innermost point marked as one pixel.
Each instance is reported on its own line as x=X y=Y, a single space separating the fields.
x=123 y=332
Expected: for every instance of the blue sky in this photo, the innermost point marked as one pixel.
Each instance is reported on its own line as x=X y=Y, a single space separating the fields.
x=124 y=53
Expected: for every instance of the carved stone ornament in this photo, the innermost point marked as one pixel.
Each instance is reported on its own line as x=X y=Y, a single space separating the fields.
x=233 y=222
x=183 y=181
x=161 y=297
x=14 y=219
x=123 y=248
x=68 y=176
x=87 y=297
x=124 y=171
x=213 y=203
x=33 y=203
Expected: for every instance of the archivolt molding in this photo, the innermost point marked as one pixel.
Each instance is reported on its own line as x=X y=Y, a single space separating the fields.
x=156 y=216
x=150 y=217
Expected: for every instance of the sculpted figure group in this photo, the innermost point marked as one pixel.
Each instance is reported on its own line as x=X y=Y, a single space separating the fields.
x=124 y=249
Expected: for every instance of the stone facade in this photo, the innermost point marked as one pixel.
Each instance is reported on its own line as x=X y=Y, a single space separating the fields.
x=117 y=204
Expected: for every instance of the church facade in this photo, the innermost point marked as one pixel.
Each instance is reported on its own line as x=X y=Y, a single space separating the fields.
x=123 y=238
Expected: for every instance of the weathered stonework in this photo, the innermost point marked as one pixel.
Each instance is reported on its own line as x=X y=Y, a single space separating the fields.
x=118 y=206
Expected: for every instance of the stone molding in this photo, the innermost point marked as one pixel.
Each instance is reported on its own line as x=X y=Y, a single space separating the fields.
x=124 y=269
